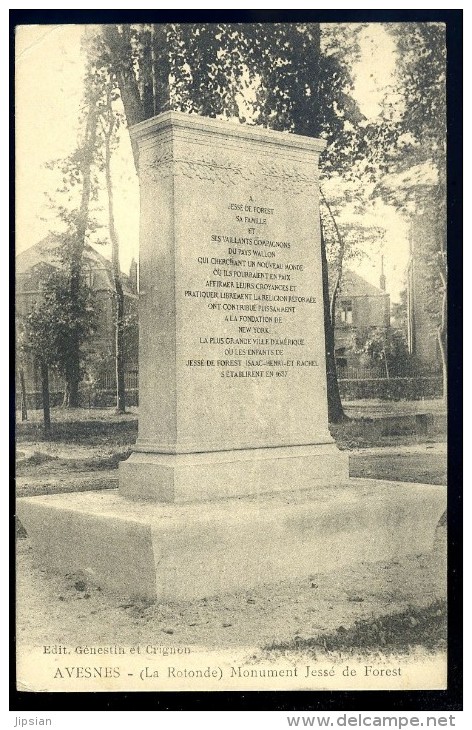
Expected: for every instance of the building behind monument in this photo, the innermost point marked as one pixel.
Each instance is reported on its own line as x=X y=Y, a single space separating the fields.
x=33 y=266
x=361 y=308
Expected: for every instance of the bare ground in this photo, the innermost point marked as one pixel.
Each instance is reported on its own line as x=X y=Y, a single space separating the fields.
x=64 y=609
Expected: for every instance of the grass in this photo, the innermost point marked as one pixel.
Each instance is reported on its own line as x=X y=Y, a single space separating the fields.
x=100 y=426
x=112 y=429
x=364 y=433
x=424 y=628
x=81 y=440
x=90 y=440
x=53 y=465
x=424 y=467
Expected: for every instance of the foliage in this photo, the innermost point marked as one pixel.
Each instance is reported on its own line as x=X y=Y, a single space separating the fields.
x=196 y=68
x=395 y=389
x=422 y=71
x=302 y=86
x=378 y=345
x=286 y=76
x=297 y=77
x=347 y=238
x=410 y=142
x=416 y=155
x=399 y=312
x=405 y=156
x=57 y=321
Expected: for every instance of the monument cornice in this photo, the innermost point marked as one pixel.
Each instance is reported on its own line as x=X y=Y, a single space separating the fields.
x=218 y=127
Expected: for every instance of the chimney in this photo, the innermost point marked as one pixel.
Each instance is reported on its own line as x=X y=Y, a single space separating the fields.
x=383 y=280
x=133 y=276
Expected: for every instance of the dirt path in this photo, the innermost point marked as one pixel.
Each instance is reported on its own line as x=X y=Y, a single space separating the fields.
x=57 y=609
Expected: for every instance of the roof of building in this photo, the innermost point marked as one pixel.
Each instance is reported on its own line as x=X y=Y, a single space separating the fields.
x=354 y=285
x=46 y=252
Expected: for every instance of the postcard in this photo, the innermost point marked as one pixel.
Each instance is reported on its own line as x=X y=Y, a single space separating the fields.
x=231 y=363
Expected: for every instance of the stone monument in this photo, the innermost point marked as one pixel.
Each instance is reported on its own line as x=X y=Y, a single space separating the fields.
x=232 y=366
x=235 y=479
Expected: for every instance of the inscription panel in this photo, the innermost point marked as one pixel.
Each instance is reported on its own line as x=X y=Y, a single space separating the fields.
x=250 y=337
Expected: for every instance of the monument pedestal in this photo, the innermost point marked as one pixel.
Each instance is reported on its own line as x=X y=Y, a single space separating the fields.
x=182 y=478
x=235 y=479
x=183 y=552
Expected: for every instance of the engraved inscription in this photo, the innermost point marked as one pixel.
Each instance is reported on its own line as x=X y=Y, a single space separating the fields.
x=254 y=284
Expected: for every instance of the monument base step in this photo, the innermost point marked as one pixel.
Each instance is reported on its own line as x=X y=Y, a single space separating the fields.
x=226 y=474
x=183 y=552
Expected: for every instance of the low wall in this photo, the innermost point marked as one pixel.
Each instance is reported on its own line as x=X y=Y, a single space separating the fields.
x=391 y=388
x=87 y=398
x=395 y=389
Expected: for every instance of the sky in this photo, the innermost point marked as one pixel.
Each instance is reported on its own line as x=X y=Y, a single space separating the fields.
x=49 y=72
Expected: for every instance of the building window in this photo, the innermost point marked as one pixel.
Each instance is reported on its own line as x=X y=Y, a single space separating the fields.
x=341 y=359
x=346 y=311
x=88 y=275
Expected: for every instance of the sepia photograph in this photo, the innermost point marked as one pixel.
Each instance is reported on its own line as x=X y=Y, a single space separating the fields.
x=231 y=355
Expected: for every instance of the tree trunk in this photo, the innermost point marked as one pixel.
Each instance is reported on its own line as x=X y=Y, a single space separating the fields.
x=65 y=398
x=386 y=364
x=442 y=340
x=160 y=68
x=146 y=60
x=442 y=265
x=443 y=351
x=335 y=409
x=24 y=409
x=45 y=392
x=72 y=378
x=119 y=357
x=118 y=40
x=119 y=297
x=339 y=260
x=72 y=374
